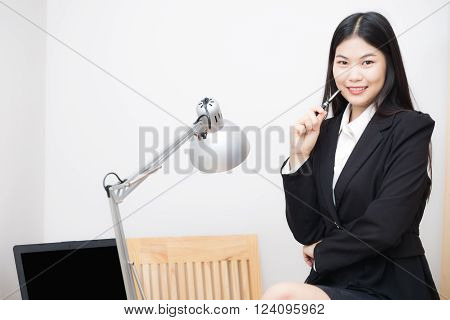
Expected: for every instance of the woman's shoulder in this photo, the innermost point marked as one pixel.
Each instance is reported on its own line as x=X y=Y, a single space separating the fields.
x=412 y=119
x=412 y=115
x=407 y=123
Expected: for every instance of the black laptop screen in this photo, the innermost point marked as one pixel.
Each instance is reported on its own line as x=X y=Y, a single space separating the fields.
x=87 y=273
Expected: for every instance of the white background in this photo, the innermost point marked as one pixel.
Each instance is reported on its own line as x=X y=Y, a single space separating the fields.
x=65 y=123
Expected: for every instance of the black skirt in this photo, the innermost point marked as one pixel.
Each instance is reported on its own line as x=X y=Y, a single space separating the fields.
x=336 y=293
x=406 y=278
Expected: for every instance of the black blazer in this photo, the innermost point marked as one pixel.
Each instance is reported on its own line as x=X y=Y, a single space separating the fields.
x=370 y=238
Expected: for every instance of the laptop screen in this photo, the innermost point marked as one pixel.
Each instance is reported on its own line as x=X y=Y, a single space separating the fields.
x=70 y=270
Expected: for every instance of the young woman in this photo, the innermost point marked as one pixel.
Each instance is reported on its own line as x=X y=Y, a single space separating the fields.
x=357 y=182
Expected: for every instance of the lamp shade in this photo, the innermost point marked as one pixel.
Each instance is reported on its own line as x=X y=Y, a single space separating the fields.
x=221 y=150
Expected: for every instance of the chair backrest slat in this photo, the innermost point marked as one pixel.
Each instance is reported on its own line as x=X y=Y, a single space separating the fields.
x=203 y=267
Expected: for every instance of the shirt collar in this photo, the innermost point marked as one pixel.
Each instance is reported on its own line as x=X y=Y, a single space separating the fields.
x=356 y=128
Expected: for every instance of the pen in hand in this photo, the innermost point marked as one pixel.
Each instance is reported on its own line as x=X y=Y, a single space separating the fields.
x=306 y=131
x=326 y=104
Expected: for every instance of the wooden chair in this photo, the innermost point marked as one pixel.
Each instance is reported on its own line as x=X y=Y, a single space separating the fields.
x=197 y=268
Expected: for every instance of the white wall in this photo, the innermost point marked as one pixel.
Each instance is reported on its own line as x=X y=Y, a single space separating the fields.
x=257 y=59
x=22 y=110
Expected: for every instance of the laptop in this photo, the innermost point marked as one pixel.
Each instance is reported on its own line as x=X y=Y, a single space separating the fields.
x=74 y=270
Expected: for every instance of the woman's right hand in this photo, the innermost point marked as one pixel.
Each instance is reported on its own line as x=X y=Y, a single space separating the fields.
x=305 y=133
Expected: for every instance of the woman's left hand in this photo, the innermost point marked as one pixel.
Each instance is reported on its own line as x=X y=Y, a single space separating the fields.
x=308 y=253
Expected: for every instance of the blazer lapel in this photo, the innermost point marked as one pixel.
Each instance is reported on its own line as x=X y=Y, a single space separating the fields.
x=367 y=143
x=326 y=166
x=369 y=140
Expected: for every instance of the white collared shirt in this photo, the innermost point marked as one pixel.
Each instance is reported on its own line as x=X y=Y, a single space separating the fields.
x=349 y=134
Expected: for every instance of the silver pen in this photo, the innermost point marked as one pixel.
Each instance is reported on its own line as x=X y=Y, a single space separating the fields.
x=326 y=104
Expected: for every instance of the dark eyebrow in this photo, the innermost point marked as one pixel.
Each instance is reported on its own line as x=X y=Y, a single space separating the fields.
x=368 y=55
x=364 y=56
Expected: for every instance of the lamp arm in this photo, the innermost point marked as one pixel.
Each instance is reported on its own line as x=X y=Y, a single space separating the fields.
x=121 y=190
x=118 y=192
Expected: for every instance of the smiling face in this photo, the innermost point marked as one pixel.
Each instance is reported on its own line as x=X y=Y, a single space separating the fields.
x=359 y=70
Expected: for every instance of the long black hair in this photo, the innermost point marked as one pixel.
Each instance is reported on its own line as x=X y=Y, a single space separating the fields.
x=376 y=30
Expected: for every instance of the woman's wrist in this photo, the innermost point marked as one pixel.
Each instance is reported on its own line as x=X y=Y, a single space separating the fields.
x=300 y=156
x=297 y=158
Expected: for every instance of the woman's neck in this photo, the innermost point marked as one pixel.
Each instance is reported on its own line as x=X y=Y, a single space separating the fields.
x=355 y=112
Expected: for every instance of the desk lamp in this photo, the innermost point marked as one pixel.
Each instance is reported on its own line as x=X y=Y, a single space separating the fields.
x=226 y=148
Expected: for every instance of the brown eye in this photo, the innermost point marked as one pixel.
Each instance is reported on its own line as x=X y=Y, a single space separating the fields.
x=368 y=62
